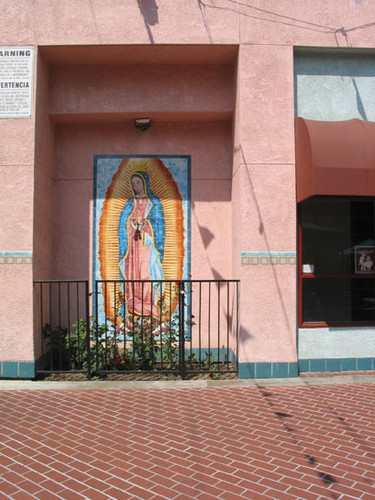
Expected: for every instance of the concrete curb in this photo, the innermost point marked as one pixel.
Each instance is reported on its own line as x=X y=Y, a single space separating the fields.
x=29 y=385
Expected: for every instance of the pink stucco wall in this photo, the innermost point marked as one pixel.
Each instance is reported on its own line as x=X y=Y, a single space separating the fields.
x=16 y=313
x=209 y=145
x=16 y=235
x=134 y=87
x=191 y=108
x=264 y=193
x=44 y=173
x=181 y=22
x=217 y=79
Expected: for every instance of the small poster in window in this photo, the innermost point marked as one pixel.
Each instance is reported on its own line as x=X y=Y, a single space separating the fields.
x=364 y=260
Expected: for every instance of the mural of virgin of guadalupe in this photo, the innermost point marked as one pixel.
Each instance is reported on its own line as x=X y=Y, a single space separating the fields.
x=141 y=236
x=141 y=233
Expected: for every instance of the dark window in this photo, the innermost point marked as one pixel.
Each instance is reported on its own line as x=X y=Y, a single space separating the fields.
x=335 y=288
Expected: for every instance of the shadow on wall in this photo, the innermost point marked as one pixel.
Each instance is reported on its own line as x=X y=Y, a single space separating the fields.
x=262 y=231
x=207 y=237
x=149 y=11
x=202 y=8
x=244 y=335
x=360 y=107
x=246 y=9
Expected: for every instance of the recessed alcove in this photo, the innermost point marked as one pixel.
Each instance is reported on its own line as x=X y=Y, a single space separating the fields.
x=87 y=98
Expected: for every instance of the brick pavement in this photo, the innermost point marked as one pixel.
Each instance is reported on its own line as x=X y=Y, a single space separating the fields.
x=217 y=442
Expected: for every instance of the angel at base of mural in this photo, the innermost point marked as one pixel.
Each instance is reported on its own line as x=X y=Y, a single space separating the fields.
x=141 y=242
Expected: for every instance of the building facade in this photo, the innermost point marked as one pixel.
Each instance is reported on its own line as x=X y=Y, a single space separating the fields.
x=273 y=105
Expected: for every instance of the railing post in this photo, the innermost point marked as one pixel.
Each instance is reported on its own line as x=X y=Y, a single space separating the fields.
x=88 y=328
x=41 y=317
x=181 y=328
x=96 y=325
x=238 y=322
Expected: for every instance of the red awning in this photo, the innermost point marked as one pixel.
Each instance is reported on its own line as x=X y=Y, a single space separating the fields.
x=335 y=158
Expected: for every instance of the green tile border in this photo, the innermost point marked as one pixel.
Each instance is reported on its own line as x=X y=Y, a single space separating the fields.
x=9 y=369
x=268 y=370
x=336 y=365
x=27 y=369
x=219 y=354
x=280 y=370
x=366 y=363
x=17 y=369
x=263 y=370
x=268 y=258
x=348 y=364
x=247 y=370
x=333 y=365
x=304 y=365
x=318 y=365
x=289 y=370
x=12 y=258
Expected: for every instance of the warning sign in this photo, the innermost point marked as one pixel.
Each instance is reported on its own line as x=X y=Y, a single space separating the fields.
x=16 y=79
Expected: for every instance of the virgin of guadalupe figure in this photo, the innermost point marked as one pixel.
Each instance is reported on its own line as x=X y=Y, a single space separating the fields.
x=141 y=233
x=141 y=237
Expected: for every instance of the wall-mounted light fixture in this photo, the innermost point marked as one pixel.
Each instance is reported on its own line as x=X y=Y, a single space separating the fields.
x=142 y=123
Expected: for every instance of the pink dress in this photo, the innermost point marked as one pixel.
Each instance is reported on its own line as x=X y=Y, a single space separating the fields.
x=138 y=262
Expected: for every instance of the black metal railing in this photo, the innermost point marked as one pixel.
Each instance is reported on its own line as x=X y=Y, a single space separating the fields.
x=60 y=307
x=180 y=327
